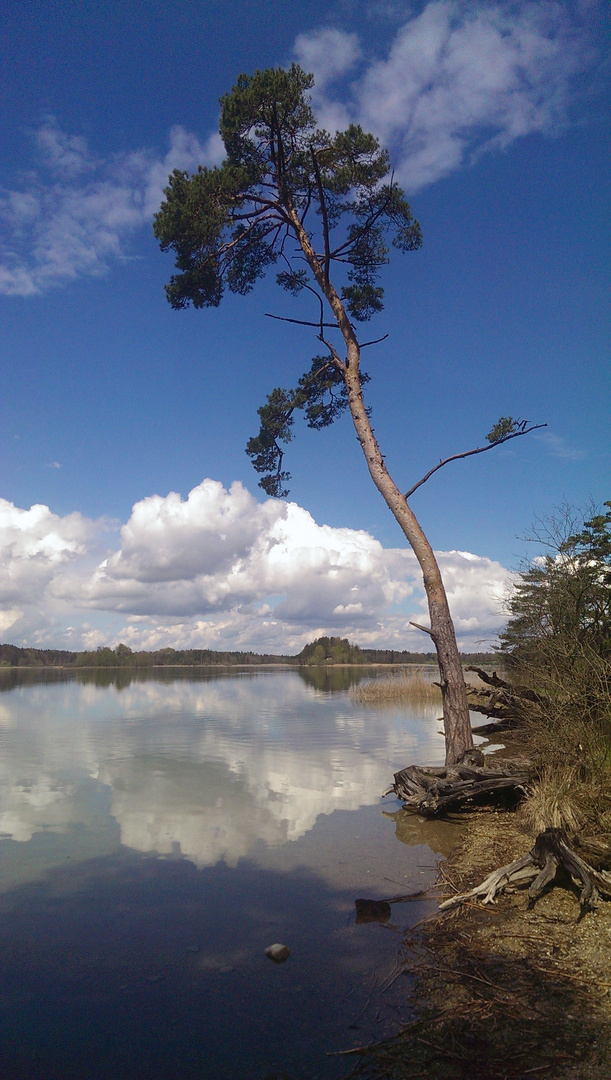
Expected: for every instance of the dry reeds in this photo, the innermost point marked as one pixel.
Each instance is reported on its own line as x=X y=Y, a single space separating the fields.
x=404 y=687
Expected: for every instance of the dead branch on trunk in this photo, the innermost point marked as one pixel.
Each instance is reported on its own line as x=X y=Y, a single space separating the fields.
x=431 y=792
x=501 y=700
x=494 y=680
x=550 y=852
x=519 y=427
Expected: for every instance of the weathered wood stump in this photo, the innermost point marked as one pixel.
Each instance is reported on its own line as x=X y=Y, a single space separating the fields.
x=432 y=791
x=550 y=852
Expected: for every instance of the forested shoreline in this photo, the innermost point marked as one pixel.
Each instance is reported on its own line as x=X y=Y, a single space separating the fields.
x=325 y=650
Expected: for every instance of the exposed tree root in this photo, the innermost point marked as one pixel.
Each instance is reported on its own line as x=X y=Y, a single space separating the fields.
x=433 y=791
x=550 y=852
x=500 y=991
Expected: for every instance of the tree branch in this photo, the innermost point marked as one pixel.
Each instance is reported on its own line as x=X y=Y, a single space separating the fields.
x=470 y=453
x=230 y=244
x=305 y=322
x=337 y=360
x=366 y=226
x=425 y=629
x=376 y=341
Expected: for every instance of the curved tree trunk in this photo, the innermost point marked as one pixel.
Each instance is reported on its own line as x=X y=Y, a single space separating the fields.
x=457 y=724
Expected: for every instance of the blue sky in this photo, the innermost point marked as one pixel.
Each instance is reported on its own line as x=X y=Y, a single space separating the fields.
x=496 y=116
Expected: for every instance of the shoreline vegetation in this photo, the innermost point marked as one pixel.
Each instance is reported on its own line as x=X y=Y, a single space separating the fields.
x=323 y=652
x=517 y=984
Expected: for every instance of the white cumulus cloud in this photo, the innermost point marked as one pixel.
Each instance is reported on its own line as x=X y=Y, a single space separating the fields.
x=220 y=570
x=34 y=544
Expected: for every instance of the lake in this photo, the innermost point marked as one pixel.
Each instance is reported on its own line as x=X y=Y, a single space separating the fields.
x=158 y=832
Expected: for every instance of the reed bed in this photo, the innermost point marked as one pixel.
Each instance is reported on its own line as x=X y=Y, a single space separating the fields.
x=404 y=687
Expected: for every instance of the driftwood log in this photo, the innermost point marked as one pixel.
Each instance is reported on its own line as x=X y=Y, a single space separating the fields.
x=551 y=852
x=431 y=792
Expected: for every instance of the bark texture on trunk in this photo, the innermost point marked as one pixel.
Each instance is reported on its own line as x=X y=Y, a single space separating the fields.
x=457 y=724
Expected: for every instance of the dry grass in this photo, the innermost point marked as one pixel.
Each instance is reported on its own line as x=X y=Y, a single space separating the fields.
x=572 y=790
x=404 y=687
x=564 y=729
x=567 y=736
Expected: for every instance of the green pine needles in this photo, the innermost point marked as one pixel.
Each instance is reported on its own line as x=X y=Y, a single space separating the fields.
x=321 y=394
x=284 y=179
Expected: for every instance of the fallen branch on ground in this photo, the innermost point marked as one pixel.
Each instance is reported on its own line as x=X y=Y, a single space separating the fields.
x=551 y=851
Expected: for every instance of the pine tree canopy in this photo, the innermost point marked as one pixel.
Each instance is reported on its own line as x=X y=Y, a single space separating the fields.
x=229 y=223
x=284 y=179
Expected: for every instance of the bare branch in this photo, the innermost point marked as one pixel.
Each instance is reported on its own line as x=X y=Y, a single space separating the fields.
x=320 y=301
x=425 y=629
x=337 y=360
x=376 y=341
x=302 y=322
x=304 y=285
x=470 y=453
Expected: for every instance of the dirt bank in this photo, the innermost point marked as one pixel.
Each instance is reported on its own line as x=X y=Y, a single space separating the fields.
x=504 y=992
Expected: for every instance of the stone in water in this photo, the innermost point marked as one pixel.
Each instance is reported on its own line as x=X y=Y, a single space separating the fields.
x=278 y=953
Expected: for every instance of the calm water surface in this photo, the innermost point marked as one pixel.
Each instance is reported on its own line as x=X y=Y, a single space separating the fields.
x=157 y=834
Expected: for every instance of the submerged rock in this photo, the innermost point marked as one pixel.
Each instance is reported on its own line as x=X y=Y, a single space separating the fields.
x=278 y=953
x=372 y=911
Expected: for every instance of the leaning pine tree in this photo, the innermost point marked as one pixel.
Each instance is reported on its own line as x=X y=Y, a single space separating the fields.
x=284 y=180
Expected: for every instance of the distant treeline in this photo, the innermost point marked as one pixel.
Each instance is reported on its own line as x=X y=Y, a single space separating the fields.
x=325 y=650
x=123 y=657
x=334 y=650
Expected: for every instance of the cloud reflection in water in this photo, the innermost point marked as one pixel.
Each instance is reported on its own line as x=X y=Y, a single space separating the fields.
x=201 y=768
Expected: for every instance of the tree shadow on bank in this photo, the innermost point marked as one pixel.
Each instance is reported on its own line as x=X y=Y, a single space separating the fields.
x=484 y=1013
